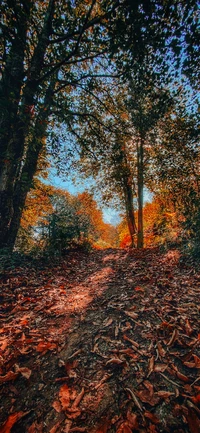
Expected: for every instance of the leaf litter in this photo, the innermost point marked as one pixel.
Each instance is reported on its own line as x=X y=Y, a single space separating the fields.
x=101 y=343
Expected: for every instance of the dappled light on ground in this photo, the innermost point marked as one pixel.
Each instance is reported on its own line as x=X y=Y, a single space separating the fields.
x=101 y=343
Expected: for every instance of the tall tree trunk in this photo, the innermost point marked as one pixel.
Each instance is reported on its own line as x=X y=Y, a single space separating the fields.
x=128 y=195
x=24 y=182
x=10 y=89
x=17 y=126
x=140 y=176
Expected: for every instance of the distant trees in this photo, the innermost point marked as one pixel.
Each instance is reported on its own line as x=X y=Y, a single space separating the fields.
x=53 y=221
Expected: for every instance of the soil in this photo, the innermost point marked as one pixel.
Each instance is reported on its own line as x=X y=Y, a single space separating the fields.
x=104 y=342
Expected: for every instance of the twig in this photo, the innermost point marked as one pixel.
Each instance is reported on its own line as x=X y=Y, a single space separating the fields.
x=137 y=403
x=196 y=380
x=169 y=380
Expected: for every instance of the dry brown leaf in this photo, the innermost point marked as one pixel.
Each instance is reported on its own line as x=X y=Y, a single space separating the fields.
x=146 y=397
x=132 y=420
x=11 y=375
x=131 y=314
x=114 y=361
x=164 y=394
x=124 y=428
x=43 y=346
x=197 y=361
x=64 y=396
x=151 y=365
x=188 y=328
x=57 y=406
x=152 y=417
x=68 y=424
x=130 y=353
x=161 y=351
x=25 y=371
x=107 y=322
x=160 y=367
x=134 y=343
x=182 y=376
x=149 y=386
x=73 y=415
x=173 y=337
x=12 y=419
x=78 y=398
x=54 y=429
x=35 y=428
x=193 y=421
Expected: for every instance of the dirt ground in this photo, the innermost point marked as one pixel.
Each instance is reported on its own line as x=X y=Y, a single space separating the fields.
x=105 y=342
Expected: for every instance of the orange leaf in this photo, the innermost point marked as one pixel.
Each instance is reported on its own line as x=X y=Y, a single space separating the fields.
x=132 y=420
x=182 y=376
x=197 y=361
x=8 y=376
x=139 y=289
x=35 y=428
x=43 y=346
x=164 y=394
x=124 y=428
x=64 y=396
x=103 y=428
x=12 y=419
x=152 y=417
x=193 y=421
x=57 y=406
x=146 y=397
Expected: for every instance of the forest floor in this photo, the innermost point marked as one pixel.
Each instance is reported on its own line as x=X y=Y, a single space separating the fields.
x=105 y=342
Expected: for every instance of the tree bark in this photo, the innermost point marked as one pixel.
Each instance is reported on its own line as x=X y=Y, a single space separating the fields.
x=140 y=176
x=24 y=183
x=18 y=121
x=128 y=195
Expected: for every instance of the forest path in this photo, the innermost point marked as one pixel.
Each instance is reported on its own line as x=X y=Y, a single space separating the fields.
x=101 y=343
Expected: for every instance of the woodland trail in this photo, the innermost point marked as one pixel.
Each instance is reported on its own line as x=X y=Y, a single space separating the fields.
x=106 y=342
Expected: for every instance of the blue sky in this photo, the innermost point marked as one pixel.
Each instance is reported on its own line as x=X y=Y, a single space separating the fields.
x=110 y=215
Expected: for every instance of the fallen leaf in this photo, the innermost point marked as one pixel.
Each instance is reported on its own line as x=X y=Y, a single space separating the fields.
x=164 y=394
x=11 y=375
x=25 y=372
x=146 y=397
x=139 y=289
x=152 y=417
x=78 y=398
x=124 y=428
x=57 y=406
x=193 y=421
x=197 y=361
x=160 y=367
x=43 y=346
x=132 y=420
x=64 y=397
x=131 y=314
x=188 y=328
x=173 y=337
x=12 y=419
x=114 y=361
x=161 y=351
x=151 y=365
x=35 y=428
